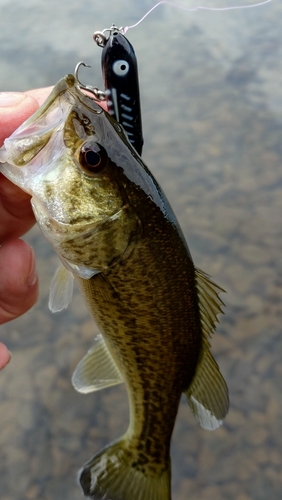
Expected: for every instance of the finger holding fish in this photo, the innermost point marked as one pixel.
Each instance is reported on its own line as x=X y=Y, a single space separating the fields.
x=15 y=107
x=5 y=356
x=19 y=282
x=15 y=211
x=16 y=218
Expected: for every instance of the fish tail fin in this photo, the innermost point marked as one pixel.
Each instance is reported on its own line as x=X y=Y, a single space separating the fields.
x=114 y=474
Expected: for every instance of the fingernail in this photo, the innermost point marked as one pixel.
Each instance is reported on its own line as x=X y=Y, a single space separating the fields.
x=10 y=356
x=9 y=99
x=32 y=277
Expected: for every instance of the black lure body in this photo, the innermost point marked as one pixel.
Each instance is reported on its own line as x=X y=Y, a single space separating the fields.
x=119 y=67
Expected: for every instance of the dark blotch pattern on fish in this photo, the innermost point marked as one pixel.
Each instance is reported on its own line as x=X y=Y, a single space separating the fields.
x=154 y=332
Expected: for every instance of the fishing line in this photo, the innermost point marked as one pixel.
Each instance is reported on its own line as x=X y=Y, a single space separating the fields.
x=194 y=9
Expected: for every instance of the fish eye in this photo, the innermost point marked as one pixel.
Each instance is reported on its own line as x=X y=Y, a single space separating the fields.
x=121 y=67
x=92 y=158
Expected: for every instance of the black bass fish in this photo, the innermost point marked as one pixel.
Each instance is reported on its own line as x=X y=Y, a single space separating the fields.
x=114 y=231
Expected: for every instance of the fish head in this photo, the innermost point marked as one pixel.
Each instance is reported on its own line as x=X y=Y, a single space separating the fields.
x=71 y=157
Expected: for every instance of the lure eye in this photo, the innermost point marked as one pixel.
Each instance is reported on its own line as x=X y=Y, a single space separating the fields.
x=121 y=67
x=92 y=158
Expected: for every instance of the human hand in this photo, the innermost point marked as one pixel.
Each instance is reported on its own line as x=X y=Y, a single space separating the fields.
x=18 y=277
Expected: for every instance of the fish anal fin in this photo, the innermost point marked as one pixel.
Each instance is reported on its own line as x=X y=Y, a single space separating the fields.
x=113 y=474
x=96 y=370
x=208 y=393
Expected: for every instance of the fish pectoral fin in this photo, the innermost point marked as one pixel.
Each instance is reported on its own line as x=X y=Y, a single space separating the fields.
x=61 y=289
x=208 y=393
x=96 y=370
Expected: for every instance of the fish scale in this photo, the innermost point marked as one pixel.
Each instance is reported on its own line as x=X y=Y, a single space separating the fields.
x=151 y=316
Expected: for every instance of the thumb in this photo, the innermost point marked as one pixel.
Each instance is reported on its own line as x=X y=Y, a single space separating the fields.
x=15 y=107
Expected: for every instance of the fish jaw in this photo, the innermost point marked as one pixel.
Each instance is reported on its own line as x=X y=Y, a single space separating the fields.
x=76 y=212
x=20 y=154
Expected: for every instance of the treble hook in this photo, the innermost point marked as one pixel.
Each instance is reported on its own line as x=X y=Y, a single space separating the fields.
x=98 y=94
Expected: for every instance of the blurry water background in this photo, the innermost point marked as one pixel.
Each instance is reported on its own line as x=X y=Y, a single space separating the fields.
x=211 y=85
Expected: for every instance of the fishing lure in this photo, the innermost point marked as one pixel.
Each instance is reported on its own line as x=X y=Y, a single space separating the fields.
x=120 y=73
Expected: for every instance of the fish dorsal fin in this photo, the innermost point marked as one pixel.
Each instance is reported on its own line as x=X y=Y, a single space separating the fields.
x=96 y=370
x=61 y=289
x=209 y=302
x=208 y=394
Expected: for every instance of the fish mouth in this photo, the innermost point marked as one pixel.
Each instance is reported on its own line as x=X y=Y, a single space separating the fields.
x=25 y=151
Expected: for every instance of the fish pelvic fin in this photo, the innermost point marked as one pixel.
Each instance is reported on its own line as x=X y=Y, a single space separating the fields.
x=61 y=289
x=208 y=393
x=114 y=474
x=96 y=370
